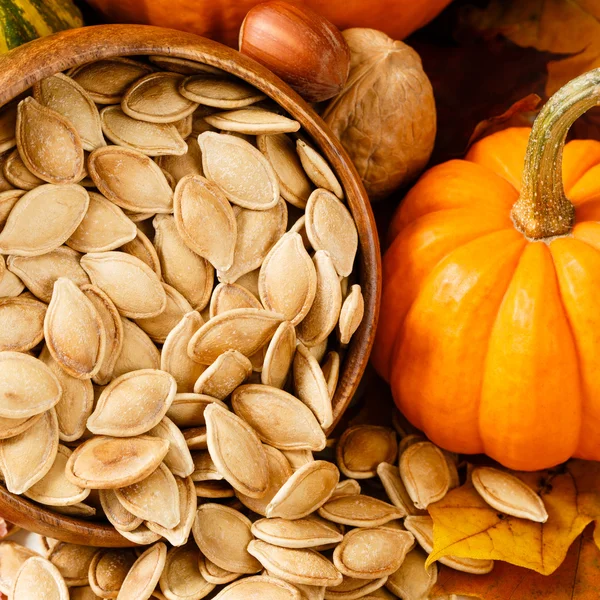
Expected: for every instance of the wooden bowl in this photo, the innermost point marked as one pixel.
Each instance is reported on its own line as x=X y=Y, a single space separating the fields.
x=23 y=66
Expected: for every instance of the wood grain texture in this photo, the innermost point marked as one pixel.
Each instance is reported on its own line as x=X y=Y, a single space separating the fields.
x=23 y=66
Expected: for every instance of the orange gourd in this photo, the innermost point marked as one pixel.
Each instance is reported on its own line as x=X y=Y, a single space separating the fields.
x=221 y=19
x=490 y=318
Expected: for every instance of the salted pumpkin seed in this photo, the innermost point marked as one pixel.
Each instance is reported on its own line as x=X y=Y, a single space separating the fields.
x=246 y=330
x=373 y=552
x=21 y=323
x=412 y=580
x=107 y=80
x=27 y=457
x=108 y=570
x=141 y=536
x=27 y=386
x=39 y=579
x=298 y=458
x=240 y=170
x=309 y=532
x=280 y=151
x=67 y=97
x=260 y=586
x=155 y=98
x=141 y=247
x=183 y=65
x=305 y=491
x=133 y=403
x=10 y=285
x=213 y=490
x=252 y=121
x=110 y=463
x=279 y=419
x=347 y=487
x=175 y=360
x=257 y=232
x=220 y=92
x=279 y=472
x=279 y=356
x=72 y=561
x=508 y=494
x=49 y=144
x=352 y=588
x=43 y=219
x=190 y=274
x=178 y=459
x=204 y=467
x=8 y=122
x=359 y=511
x=133 y=287
x=17 y=174
x=12 y=557
x=228 y=552
x=351 y=314
x=116 y=513
x=181 y=578
x=11 y=427
x=205 y=220
x=303 y=566
x=8 y=199
x=331 y=371
x=137 y=351
x=187 y=410
x=229 y=371
x=213 y=573
x=185 y=126
x=395 y=490
x=237 y=452
x=363 y=447
x=250 y=281
x=152 y=139
x=154 y=498
x=144 y=574
x=74 y=331
x=180 y=166
x=39 y=273
x=196 y=438
x=229 y=296
x=317 y=169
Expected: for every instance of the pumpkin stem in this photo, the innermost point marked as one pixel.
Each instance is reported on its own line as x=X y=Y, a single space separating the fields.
x=543 y=210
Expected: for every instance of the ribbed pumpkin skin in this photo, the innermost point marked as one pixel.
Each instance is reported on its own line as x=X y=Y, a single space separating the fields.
x=491 y=342
x=25 y=20
x=221 y=19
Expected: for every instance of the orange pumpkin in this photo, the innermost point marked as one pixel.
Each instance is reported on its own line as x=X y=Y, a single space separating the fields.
x=221 y=19
x=490 y=318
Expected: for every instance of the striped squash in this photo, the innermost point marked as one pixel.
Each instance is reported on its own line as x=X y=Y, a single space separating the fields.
x=25 y=20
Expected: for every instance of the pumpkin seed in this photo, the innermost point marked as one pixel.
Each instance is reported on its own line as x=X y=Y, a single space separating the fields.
x=240 y=170
x=279 y=419
x=39 y=273
x=230 y=551
x=229 y=296
x=213 y=573
x=12 y=557
x=107 y=80
x=409 y=440
x=39 y=579
x=144 y=575
x=11 y=427
x=330 y=227
x=178 y=459
x=252 y=121
x=137 y=352
x=317 y=169
x=190 y=274
x=155 y=498
x=10 y=285
x=48 y=144
x=185 y=126
x=196 y=438
x=72 y=561
x=8 y=199
x=180 y=166
x=182 y=65
x=117 y=514
x=220 y=92
x=108 y=570
x=298 y=458
x=155 y=98
x=351 y=314
x=280 y=150
x=133 y=403
x=395 y=490
x=187 y=410
x=79 y=511
x=141 y=536
x=229 y=371
x=249 y=281
x=348 y=487
x=359 y=511
x=309 y=532
x=141 y=247
x=111 y=463
x=303 y=566
x=8 y=123
x=331 y=371
x=152 y=139
x=17 y=174
x=424 y=473
x=351 y=588
x=257 y=232
x=213 y=489
x=21 y=323
x=279 y=472
x=27 y=386
x=324 y=312
x=236 y=451
x=279 y=356
x=246 y=330
x=174 y=358
x=372 y=553
x=204 y=467
x=27 y=457
x=181 y=578
x=83 y=593
x=68 y=98
x=260 y=586
x=508 y=494
x=310 y=386
x=205 y=220
x=133 y=287
x=43 y=219
x=412 y=580
x=74 y=331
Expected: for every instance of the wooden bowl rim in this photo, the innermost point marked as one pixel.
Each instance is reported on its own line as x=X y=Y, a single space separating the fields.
x=27 y=64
